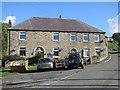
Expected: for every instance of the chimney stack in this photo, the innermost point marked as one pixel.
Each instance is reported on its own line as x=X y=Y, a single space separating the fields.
x=10 y=23
x=60 y=16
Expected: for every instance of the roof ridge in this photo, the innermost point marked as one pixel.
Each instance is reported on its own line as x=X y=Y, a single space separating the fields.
x=54 y=18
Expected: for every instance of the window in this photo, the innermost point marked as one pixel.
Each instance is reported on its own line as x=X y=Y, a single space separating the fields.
x=22 y=35
x=97 y=37
x=86 y=52
x=85 y=37
x=22 y=51
x=56 y=36
x=56 y=51
x=98 y=50
x=73 y=50
x=73 y=37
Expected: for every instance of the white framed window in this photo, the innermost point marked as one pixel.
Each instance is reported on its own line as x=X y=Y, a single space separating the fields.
x=85 y=37
x=56 y=36
x=56 y=51
x=73 y=37
x=22 y=51
x=97 y=37
x=22 y=35
x=98 y=50
x=85 y=52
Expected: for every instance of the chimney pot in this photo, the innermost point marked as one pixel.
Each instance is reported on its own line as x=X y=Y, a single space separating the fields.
x=10 y=23
x=60 y=16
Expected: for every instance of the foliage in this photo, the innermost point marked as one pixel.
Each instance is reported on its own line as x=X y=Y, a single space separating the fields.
x=4 y=38
x=0 y=40
x=95 y=58
x=116 y=37
x=11 y=58
x=34 y=59
x=32 y=67
x=26 y=64
x=112 y=46
x=6 y=73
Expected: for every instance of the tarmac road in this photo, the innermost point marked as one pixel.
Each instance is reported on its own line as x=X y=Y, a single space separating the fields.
x=100 y=75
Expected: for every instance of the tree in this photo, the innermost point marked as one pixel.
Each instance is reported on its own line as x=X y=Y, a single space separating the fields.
x=34 y=60
x=0 y=40
x=116 y=37
x=4 y=39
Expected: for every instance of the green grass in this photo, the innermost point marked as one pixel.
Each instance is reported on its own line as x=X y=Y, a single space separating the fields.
x=4 y=73
x=6 y=68
x=32 y=67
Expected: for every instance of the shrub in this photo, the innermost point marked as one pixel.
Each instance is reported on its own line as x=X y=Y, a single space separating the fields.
x=34 y=60
x=95 y=58
x=11 y=58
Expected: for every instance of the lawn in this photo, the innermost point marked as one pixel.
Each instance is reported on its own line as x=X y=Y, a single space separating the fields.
x=32 y=67
x=7 y=71
x=3 y=74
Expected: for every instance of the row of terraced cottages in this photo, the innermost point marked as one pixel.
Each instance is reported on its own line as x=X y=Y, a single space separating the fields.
x=56 y=37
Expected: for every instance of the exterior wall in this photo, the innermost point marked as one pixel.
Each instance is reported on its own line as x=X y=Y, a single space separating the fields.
x=36 y=39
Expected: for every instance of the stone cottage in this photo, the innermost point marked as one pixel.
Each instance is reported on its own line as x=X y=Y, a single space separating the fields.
x=56 y=37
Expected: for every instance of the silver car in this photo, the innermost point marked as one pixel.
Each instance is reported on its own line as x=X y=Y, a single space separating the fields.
x=45 y=63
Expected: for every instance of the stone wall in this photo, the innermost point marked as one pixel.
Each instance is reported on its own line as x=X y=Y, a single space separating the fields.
x=36 y=39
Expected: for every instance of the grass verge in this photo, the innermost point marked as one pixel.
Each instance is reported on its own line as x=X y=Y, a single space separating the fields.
x=4 y=73
x=32 y=67
x=7 y=71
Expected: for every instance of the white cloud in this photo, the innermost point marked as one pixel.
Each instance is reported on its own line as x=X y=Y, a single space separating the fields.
x=12 y=18
x=113 y=24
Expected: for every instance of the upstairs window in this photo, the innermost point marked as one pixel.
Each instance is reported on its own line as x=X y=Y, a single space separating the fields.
x=86 y=52
x=22 y=36
x=73 y=37
x=22 y=51
x=97 y=37
x=55 y=36
x=85 y=37
x=56 y=51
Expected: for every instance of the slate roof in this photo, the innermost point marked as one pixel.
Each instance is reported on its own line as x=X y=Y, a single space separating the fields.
x=55 y=24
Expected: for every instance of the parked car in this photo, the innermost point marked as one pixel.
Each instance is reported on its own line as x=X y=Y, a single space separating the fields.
x=74 y=61
x=59 y=63
x=45 y=63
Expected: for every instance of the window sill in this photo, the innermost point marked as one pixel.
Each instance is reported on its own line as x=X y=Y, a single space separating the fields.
x=73 y=40
x=56 y=40
x=97 y=42
x=85 y=41
x=22 y=39
x=56 y=56
x=85 y=56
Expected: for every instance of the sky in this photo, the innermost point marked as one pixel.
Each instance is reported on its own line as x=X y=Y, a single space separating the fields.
x=102 y=15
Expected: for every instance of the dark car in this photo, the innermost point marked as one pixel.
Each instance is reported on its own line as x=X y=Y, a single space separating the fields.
x=74 y=61
x=45 y=63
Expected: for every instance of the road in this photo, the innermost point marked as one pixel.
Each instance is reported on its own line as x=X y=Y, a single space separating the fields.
x=100 y=75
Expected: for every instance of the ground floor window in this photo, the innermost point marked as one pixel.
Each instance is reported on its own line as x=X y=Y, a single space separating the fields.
x=22 y=51
x=86 y=52
x=56 y=51
x=73 y=50
x=98 y=50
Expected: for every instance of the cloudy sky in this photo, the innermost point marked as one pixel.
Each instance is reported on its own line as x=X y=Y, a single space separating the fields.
x=102 y=15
